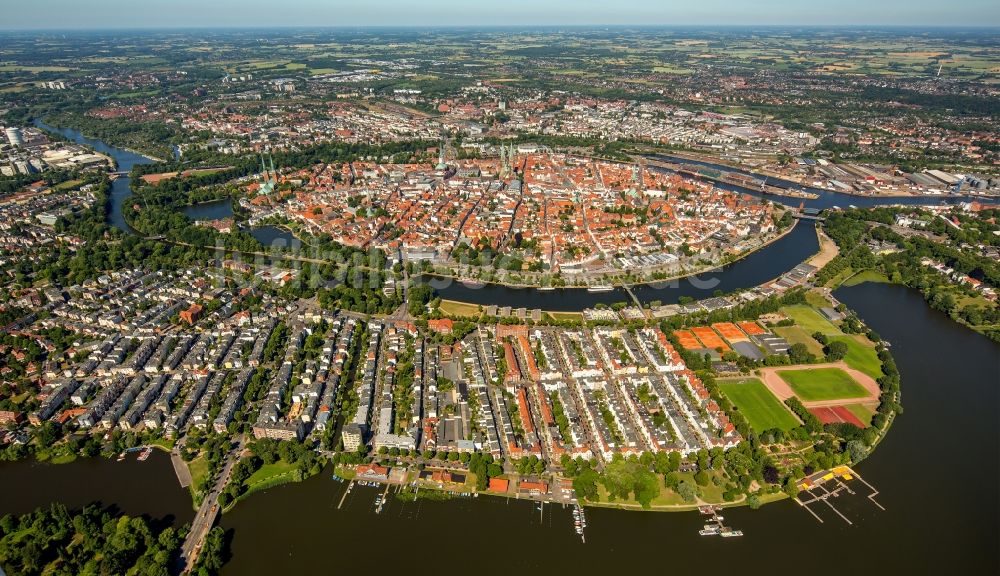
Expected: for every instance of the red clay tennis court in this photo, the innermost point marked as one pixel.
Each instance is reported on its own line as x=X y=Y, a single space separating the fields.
x=752 y=328
x=836 y=415
x=730 y=331
x=687 y=340
x=709 y=338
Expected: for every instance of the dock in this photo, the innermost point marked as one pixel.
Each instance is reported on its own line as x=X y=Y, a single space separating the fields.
x=825 y=485
x=346 y=492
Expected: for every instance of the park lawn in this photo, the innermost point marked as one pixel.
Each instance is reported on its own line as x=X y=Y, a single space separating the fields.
x=823 y=384
x=761 y=408
x=453 y=308
x=861 y=355
x=864 y=413
x=811 y=320
x=798 y=335
x=62 y=459
x=199 y=469
x=571 y=316
x=866 y=276
x=268 y=473
x=67 y=185
x=816 y=300
x=667 y=497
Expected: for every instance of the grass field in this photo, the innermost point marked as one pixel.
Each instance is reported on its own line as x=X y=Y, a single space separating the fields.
x=811 y=320
x=797 y=335
x=573 y=316
x=453 y=308
x=866 y=276
x=861 y=355
x=199 y=469
x=761 y=408
x=863 y=412
x=269 y=473
x=823 y=384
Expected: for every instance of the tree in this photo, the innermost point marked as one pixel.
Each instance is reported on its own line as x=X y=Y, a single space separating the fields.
x=687 y=491
x=585 y=485
x=770 y=474
x=857 y=450
x=799 y=354
x=791 y=488
x=836 y=350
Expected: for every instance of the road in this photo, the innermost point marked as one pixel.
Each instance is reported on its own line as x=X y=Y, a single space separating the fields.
x=208 y=511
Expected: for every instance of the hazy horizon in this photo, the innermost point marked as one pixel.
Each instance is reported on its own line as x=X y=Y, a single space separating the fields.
x=194 y=14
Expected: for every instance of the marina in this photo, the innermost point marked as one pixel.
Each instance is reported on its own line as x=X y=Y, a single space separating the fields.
x=816 y=489
x=715 y=527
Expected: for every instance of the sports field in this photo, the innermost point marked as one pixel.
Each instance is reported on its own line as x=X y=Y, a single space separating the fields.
x=811 y=320
x=752 y=328
x=709 y=338
x=820 y=384
x=761 y=408
x=836 y=415
x=797 y=335
x=730 y=331
x=687 y=340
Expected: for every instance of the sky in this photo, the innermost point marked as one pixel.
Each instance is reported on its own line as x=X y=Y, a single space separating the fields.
x=103 y=14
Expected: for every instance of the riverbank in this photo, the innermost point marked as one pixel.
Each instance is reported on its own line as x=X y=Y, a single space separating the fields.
x=619 y=283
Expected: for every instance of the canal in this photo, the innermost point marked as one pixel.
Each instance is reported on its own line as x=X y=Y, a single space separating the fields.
x=761 y=266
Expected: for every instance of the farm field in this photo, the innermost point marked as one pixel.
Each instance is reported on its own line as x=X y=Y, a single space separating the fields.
x=820 y=384
x=761 y=408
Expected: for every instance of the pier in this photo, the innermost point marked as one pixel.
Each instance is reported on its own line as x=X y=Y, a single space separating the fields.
x=825 y=485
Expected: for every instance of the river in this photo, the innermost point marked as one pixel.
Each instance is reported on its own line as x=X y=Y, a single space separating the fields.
x=937 y=471
x=937 y=468
x=121 y=189
x=147 y=488
x=757 y=268
x=124 y=159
